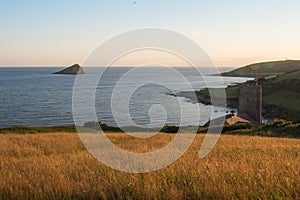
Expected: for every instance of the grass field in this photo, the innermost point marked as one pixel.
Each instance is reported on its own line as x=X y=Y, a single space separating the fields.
x=285 y=99
x=57 y=166
x=288 y=76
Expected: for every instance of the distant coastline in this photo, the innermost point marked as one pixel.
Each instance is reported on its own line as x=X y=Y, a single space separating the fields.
x=281 y=92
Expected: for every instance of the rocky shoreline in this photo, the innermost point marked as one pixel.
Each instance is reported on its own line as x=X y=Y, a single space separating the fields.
x=268 y=111
x=199 y=97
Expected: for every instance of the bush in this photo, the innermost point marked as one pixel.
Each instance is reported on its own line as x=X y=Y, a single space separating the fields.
x=170 y=129
x=229 y=128
x=281 y=128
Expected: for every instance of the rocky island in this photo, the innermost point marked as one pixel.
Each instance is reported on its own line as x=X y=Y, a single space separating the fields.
x=74 y=69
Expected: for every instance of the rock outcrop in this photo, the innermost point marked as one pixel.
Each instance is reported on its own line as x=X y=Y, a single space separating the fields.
x=74 y=69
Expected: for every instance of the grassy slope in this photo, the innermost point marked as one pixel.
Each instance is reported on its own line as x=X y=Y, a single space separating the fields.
x=266 y=69
x=281 y=95
x=285 y=99
x=288 y=76
x=57 y=166
x=285 y=82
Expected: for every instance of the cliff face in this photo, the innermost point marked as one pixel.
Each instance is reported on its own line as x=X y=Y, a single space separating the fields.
x=74 y=69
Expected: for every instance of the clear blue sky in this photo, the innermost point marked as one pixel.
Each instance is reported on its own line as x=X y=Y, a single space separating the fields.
x=63 y=32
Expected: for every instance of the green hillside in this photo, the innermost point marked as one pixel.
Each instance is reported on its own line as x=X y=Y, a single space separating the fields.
x=285 y=99
x=265 y=69
x=281 y=89
x=288 y=76
x=281 y=96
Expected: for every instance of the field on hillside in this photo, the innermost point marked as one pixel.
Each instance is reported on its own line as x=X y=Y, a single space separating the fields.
x=288 y=76
x=284 y=99
x=265 y=69
x=57 y=166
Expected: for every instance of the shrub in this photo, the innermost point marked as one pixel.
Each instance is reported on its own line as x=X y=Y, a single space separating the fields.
x=281 y=128
x=229 y=128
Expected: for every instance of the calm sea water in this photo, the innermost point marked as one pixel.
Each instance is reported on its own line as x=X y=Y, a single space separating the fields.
x=36 y=97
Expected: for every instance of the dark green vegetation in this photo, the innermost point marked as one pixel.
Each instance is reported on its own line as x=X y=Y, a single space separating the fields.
x=289 y=76
x=266 y=69
x=89 y=127
x=34 y=130
x=280 y=128
x=204 y=96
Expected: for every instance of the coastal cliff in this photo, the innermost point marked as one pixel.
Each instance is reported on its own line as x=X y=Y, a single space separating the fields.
x=280 y=85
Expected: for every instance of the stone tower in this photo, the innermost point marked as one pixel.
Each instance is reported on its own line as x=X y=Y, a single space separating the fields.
x=250 y=103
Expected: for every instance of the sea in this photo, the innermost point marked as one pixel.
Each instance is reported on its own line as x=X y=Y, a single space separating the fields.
x=34 y=96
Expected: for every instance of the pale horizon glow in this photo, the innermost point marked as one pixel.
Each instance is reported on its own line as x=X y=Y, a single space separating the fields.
x=233 y=33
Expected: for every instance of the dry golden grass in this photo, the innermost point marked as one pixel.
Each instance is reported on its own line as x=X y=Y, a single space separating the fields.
x=57 y=166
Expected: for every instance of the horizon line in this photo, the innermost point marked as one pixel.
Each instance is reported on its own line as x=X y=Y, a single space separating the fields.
x=119 y=66
x=124 y=66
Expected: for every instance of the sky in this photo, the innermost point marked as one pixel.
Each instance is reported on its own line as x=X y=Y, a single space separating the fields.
x=63 y=32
